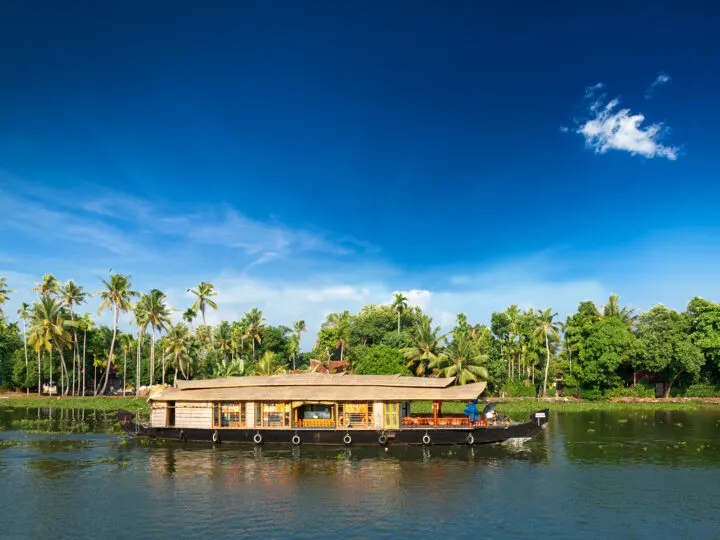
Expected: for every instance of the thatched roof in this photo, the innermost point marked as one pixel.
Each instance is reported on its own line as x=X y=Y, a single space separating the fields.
x=309 y=387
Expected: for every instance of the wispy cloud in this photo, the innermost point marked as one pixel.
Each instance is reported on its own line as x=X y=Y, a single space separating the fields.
x=611 y=128
x=660 y=80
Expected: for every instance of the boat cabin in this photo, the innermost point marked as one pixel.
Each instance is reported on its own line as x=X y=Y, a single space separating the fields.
x=309 y=401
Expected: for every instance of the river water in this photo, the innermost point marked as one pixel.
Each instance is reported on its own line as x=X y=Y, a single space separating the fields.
x=593 y=475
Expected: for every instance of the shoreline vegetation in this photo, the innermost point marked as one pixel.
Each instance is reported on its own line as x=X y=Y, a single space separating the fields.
x=515 y=407
x=600 y=352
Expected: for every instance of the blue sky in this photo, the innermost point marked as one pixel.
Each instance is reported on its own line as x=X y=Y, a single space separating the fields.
x=314 y=156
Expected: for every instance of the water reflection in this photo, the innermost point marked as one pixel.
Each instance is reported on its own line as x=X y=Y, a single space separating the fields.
x=594 y=472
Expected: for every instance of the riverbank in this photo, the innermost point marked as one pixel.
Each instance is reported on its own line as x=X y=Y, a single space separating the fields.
x=100 y=403
x=516 y=408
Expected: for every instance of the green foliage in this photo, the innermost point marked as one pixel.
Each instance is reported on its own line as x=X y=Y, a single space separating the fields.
x=382 y=360
x=640 y=390
x=591 y=394
x=702 y=390
x=517 y=389
x=669 y=348
x=609 y=345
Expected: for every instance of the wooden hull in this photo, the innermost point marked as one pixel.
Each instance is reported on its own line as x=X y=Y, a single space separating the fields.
x=339 y=437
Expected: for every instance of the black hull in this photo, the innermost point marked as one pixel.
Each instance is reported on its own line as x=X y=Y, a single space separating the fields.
x=490 y=434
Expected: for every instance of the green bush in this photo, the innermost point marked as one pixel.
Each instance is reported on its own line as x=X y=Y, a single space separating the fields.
x=517 y=389
x=641 y=390
x=702 y=390
x=382 y=360
x=591 y=394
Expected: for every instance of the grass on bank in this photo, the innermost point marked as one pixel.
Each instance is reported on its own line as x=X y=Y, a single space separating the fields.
x=522 y=409
x=517 y=409
x=99 y=403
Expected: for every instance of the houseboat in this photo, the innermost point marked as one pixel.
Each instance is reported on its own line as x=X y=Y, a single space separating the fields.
x=329 y=409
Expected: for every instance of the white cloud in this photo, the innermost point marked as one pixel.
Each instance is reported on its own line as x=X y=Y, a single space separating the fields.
x=611 y=129
x=660 y=80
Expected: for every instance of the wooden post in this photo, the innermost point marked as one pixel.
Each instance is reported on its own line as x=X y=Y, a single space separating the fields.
x=436 y=411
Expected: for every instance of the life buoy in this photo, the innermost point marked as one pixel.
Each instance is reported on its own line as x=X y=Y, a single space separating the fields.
x=216 y=436
x=470 y=439
x=347 y=439
x=144 y=425
x=382 y=439
x=258 y=439
x=426 y=439
x=296 y=440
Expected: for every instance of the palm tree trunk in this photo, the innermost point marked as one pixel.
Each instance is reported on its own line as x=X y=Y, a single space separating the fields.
x=163 y=366
x=39 y=375
x=398 y=323
x=137 y=364
x=124 y=371
x=253 y=343
x=152 y=357
x=63 y=369
x=51 y=367
x=547 y=365
x=94 y=379
x=84 y=365
x=112 y=349
x=179 y=363
x=27 y=365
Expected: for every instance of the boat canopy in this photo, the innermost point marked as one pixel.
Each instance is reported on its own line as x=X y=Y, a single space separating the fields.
x=313 y=387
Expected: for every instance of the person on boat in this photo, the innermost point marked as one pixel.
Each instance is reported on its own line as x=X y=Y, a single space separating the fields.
x=471 y=411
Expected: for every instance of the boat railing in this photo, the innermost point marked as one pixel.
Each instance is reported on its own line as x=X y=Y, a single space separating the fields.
x=422 y=422
x=315 y=422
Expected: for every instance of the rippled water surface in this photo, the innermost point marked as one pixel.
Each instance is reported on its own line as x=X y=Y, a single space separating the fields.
x=628 y=475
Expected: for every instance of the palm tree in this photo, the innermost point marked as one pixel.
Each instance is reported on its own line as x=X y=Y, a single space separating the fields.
x=546 y=327
x=513 y=314
x=189 y=315
x=268 y=364
x=24 y=316
x=177 y=345
x=625 y=313
x=203 y=293
x=462 y=360
x=223 y=338
x=156 y=314
x=126 y=343
x=4 y=294
x=48 y=329
x=49 y=286
x=299 y=327
x=340 y=323
x=399 y=305
x=118 y=296
x=425 y=347
x=255 y=325
x=86 y=324
x=141 y=321
x=73 y=295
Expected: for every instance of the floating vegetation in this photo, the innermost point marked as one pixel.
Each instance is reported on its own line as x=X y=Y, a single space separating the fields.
x=60 y=445
x=8 y=444
x=622 y=421
x=591 y=430
x=678 y=424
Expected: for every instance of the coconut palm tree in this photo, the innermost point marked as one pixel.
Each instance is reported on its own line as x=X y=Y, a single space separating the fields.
x=48 y=330
x=223 y=338
x=188 y=316
x=4 y=294
x=73 y=295
x=462 y=360
x=49 y=286
x=126 y=343
x=203 y=294
x=545 y=328
x=117 y=296
x=340 y=323
x=424 y=348
x=399 y=305
x=255 y=326
x=24 y=315
x=268 y=364
x=177 y=345
x=156 y=314
x=141 y=321
x=299 y=327
x=625 y=313
x=86 y=324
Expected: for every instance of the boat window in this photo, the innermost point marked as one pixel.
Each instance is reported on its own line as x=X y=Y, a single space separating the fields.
x=356 y=414
x=229 y=414
x=273 y=414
